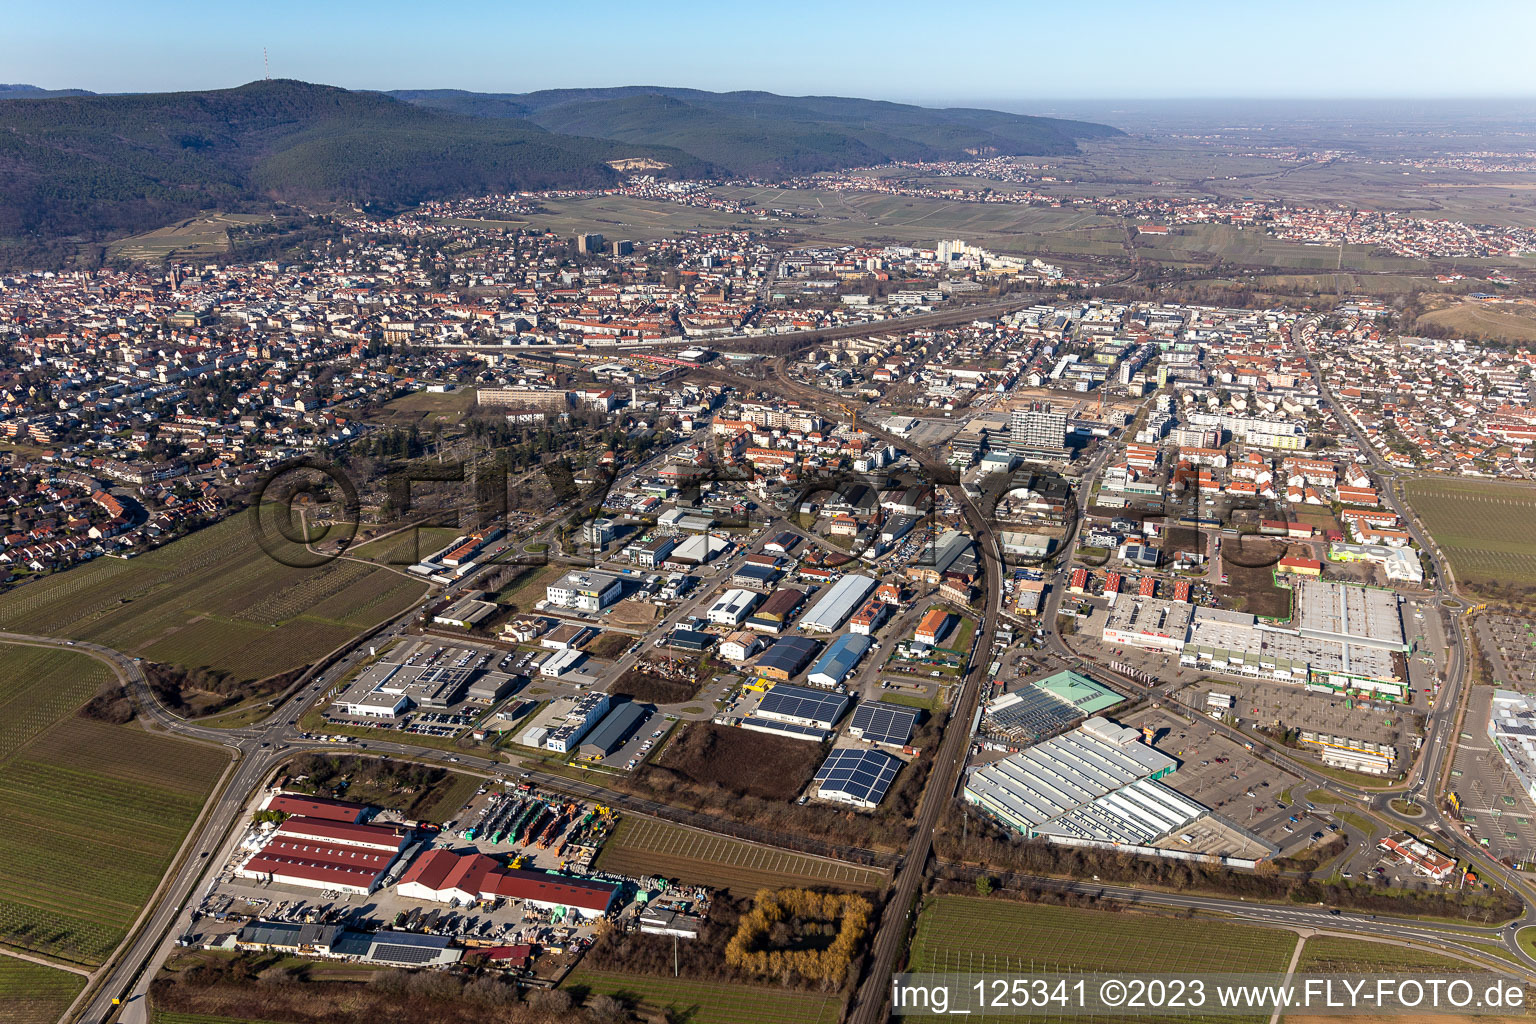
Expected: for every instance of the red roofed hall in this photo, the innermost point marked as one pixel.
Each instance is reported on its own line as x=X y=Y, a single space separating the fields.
x=444 y=876
x=320 y=854
x=315 y=807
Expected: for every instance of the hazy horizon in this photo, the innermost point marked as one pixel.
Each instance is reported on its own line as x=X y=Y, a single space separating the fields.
x=1191 y=50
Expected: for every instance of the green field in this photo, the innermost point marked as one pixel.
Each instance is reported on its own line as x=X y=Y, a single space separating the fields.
x=710 y=1002
x=963 y=933
x=84 y=800
x=426 y=409
x=214 y=599
x=1329 y=954
x=646 y=846
x=30 y=994
x=1487 y=529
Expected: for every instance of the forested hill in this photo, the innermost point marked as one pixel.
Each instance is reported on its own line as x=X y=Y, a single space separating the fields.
x=17 y=91
x=96 y=166
x=760 y=133
x=86 y=167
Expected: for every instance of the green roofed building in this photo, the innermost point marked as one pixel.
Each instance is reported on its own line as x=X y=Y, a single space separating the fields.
x=1087 y=696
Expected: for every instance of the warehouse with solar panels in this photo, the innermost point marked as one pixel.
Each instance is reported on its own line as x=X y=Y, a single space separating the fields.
x=883 y=724
x=856 y=776
x=802 y=705
x=1044 y=708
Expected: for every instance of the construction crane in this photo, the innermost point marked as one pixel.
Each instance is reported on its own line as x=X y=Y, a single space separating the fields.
x=851 y=412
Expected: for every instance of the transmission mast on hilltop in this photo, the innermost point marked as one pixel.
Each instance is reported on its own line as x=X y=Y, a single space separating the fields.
x=266 y=64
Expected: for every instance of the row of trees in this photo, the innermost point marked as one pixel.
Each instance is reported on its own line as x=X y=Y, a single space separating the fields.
x=229 y=988
x=759 y=943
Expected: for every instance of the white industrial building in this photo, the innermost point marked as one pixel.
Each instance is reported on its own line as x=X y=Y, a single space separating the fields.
x=1030 y=791
x=578 y=721
x=1135 y=815
x=837 y=605
x=1512 y=728
x=1342 y=638
x=588 y=590
x=1149 y=622
x=561 y=662
x=732 y=607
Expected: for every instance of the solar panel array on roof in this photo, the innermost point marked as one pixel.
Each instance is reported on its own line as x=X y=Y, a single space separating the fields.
x=398 y=954
x=791 y=729
x=856 y=776
x=408 y=948
x=802 y=705
x=1031 y=717
x=879 y=722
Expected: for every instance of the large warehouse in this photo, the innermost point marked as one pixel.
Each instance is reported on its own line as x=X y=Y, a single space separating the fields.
x=1149 y=623
x=856 y=776
x=875 y=721
x=802 y=705
x=1512 y=728
x=444 y=876
x=837 y=605
x=839 y=660
x=614 y=730
x=389 y=689
x=732 y=607
x=1029 y=791
x=1348 y=639
x=320 y=853
x=775 y=612
x=787 y=657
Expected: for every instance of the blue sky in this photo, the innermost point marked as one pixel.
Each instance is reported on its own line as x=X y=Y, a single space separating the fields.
x=916 y=52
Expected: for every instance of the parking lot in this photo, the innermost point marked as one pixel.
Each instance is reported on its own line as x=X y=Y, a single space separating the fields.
x=1497 y=813
x=650 y=732
x=1510 y=643
x=1222 y=775
x=1289 y=706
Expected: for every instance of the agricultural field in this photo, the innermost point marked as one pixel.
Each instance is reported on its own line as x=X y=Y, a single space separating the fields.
x=195 y=236
x=212 y=600
x=711 y=1002
x=30 y=994
x=968 y=933
x=84 y=799
x=646 y=846
x=1480 y=320
x=1326 y=953
x=408 y=546
x=168 y=1017
x=616 y=217
x=1487 y=529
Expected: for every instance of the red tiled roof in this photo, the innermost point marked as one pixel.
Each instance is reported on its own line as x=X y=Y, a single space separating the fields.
x=316 y=807
x=483 y=876
x=342 y=833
